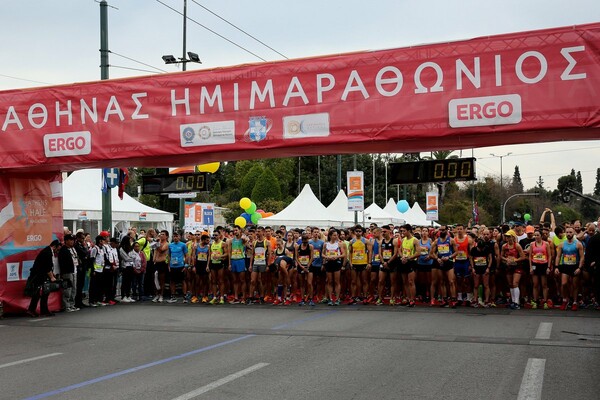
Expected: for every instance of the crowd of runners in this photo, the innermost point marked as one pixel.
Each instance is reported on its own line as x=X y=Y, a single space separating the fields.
x=519 y=265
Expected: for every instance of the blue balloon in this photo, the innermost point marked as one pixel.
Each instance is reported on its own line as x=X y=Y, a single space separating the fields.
x=247 y=217
x=402 y=206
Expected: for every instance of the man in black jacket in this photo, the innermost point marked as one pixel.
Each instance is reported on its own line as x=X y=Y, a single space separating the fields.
x=83 y=255
x=592 y=263
x=42 y=271
x=68 y=261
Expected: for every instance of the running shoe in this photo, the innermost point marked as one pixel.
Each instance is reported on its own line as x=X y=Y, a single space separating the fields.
x=563 y=306
x=194 y=299
x=533 y=305
x=550 y=303
x=453 y=303
x=574 y=307
x=379 y=302
x=311 y=303
x=112 y=302
x=493 y=305
x=411 y=303
x=515 y=306
x=546 y=306
x=213 y=301
x=287 y=303
x=277 y=302
x=301 y=303
x=222 y=301
x=325 y=300
x=352 y=301
x=204 y=299
x=185 y=300
x=330 y=303
x=337 y=302
x=433 y=302
x=392 y=301
x=155 y=299
x=172 y=300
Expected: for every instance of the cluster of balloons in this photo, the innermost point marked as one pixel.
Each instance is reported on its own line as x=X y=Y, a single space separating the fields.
x=210 y=167
x=527 y=217
x=251 y=214
x=403 y=206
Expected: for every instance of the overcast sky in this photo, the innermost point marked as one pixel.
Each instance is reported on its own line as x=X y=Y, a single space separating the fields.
x=56 y=42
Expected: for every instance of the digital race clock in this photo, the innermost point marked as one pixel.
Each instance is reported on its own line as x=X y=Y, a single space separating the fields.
x=175 y=183
x=431 y=171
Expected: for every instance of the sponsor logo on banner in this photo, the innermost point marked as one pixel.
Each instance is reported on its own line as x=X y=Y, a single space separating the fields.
x=12 y=272
x=432 y=209
x=82 y=216
x=26 y=269
x=143 y=216
x=67 y=144
x=303 y=126
x=356 y=191
x=485 y=111
x=258 y=129
x=207 y=133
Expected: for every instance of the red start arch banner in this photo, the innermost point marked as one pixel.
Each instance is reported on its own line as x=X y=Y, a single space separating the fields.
x=513 y=88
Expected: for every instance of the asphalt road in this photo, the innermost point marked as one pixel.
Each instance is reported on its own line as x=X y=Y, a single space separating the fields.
x=178 y=351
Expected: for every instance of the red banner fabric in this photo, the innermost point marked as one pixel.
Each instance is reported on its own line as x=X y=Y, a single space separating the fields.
x=30 y=218
x=505 y=89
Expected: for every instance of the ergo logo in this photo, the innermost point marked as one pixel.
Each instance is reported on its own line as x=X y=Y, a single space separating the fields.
x=68 y=144
x=484 y=111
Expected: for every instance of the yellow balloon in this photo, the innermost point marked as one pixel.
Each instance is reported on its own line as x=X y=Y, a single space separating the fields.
x=245 y=203
x=210 y=167
x=240 y=221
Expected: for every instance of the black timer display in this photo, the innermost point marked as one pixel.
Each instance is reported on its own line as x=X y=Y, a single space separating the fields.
x=431 y=171
x=176 y=183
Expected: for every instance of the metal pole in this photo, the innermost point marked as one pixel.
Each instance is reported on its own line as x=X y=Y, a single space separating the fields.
x=514 y=195
x=319 y=174
x=386 y=181
x=106 y=196
x=183 y=66
x=373 y=157
x=339 y=172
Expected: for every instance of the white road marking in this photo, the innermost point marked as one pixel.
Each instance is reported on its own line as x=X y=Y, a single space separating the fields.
x=220 y=382
x=39 y=319
x=544 y=330
x=533 y=379
x=10 y=364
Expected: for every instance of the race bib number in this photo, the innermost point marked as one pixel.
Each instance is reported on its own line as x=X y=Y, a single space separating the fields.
x=259 y=255
x=424 y=251
x=540 y=257
x=406 y=252
x=98 y=267
x=569 y=259
x=202 y=257
x=236 y=254
x=480 y=261
x=316 y=253
x=387 y=254
x=303 y=260
x=443 y=248
x=359 y=255
x=461 y=255
x=376 y=259
x=332 y=253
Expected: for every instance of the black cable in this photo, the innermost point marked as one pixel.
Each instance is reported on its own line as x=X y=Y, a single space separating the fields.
x=210 y=30
x=133 y=69
x=240 y=29
x=139 y=62
x=23 y=79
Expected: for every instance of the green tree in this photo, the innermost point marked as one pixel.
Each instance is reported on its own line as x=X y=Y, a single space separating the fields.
x=517 y=183
x=567 y=181
x=579 y=182
x=249 y=180
x=266 y=187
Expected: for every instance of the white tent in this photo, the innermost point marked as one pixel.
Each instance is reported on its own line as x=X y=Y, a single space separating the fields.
x=414 y=216
x=82 y=201
x=339 y=211
x=305 y=210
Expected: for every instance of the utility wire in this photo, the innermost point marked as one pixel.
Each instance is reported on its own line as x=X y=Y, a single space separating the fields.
x=210 y=30
x=133 y=69
x=139 y=62
x=541 y=152
x=26 y=80
x=240 y=29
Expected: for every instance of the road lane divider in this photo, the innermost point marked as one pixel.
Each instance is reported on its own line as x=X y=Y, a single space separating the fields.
x=533 y=380
x=220 y=382
x=544 y=330
x=10 y=364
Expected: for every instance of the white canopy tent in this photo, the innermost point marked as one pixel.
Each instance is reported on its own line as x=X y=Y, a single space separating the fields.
x=339 y=211
x=414 y=216
x=82 y=201
x=305 y=210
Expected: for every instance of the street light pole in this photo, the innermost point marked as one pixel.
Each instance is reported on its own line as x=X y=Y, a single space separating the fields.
x=501 y=182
